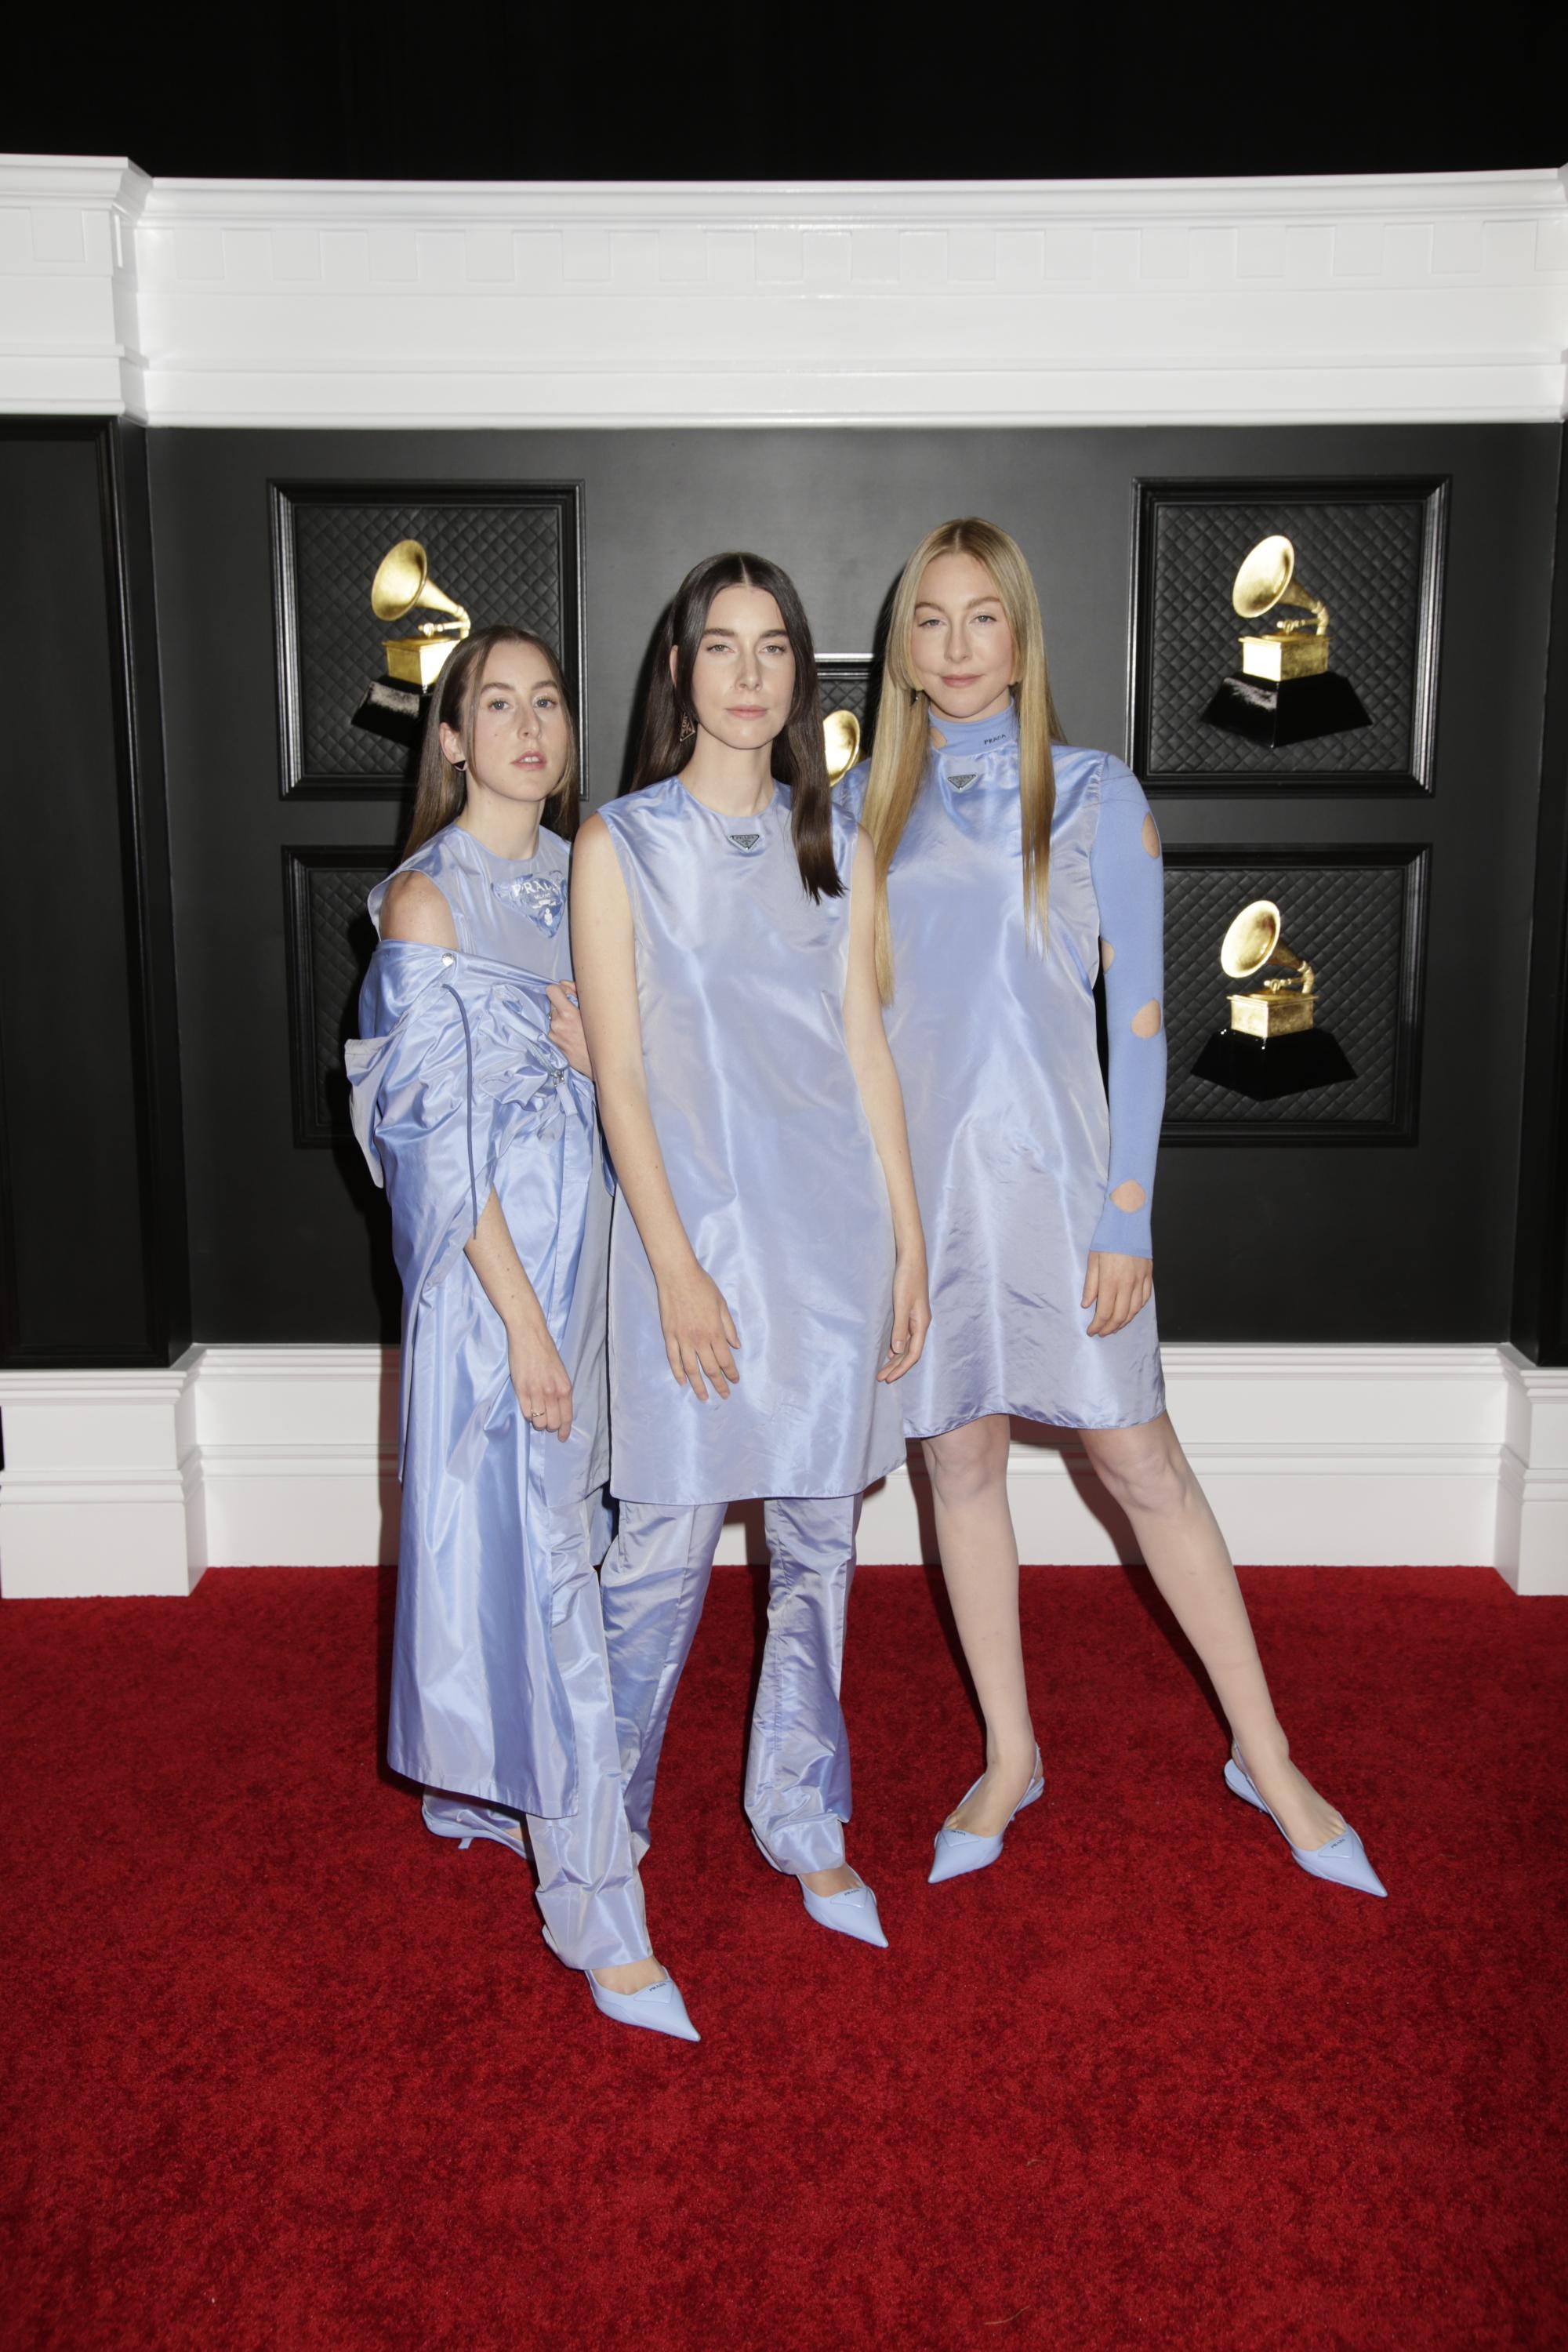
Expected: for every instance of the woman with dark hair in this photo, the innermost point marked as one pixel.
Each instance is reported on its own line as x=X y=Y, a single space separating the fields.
x=767 y=1272
x=1038 y=865
x=473 y=1101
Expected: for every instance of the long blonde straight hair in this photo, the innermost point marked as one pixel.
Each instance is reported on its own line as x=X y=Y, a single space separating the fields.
x=904 y=720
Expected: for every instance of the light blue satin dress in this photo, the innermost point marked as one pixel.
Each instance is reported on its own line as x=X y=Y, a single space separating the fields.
x=740 y=977
x=1017 y=1152
x=501 y=1695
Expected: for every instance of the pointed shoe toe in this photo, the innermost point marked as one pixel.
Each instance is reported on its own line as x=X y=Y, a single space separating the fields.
x=1341 y=1863
x=853 y=1913
x=659 y=2007
x=957 y=1852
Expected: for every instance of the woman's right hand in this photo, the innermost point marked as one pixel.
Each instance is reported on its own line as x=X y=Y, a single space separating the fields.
x=699 y=1331
x=539 y=1379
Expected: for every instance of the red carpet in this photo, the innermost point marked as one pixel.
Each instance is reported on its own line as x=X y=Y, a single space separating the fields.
x=282 y=2072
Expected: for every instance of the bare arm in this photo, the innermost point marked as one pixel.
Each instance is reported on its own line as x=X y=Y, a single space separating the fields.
x=883 y=1103
x=699 y=1334
x=414 y=908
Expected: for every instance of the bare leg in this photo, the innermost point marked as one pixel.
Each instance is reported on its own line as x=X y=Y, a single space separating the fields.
x=968 y=1470
x=1145 y=1470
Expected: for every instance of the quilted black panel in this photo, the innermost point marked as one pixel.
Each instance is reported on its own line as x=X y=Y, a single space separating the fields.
x=846 y=685
x=504 y=558
x=332 y=940
x=1366 y=558
x=1351 y=922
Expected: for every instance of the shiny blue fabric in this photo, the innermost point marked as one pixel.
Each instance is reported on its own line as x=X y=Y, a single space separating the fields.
x=457 y=1091
x=741 y=982
x=652 y=1590
x=1009 y=1127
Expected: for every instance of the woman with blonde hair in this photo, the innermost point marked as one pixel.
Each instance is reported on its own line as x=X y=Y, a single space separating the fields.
x=1011 y=868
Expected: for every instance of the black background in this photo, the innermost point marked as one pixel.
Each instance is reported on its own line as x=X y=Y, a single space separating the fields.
x=404 y=91
x=1385 y=1242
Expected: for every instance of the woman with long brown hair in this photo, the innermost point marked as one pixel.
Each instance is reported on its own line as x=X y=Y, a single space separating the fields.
x=473 y=1101
x=767 y=1274
x=1011 y=868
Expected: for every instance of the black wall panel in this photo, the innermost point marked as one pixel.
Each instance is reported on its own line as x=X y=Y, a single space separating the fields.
x=91 y=1181
x=1397 y=1240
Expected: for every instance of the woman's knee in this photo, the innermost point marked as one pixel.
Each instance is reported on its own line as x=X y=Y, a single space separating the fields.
x=965 y=1462
x=1143 y=1469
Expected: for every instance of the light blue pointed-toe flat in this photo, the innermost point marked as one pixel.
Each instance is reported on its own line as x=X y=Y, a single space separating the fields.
x=958 y=1852
x=1342 y=1862
x=659 y=2007
x=853 y=1913
x=457 y=1817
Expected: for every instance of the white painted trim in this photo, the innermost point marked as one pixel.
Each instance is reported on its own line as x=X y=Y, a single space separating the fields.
x=1388 y=298
x=136 y=1482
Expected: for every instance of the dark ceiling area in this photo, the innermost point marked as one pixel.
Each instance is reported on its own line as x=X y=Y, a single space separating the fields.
x=402 y=91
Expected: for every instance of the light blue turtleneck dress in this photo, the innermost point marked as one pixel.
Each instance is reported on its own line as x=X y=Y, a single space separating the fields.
x=1021 y=1164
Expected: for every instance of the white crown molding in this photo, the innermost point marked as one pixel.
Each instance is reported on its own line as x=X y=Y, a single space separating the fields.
x=137 y=1482
x=1341 y=298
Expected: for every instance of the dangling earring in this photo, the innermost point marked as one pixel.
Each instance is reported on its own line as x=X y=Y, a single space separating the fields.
x=686 y=731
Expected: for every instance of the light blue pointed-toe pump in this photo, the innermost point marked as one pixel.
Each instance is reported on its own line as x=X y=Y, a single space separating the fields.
x=1342 y=1862
x=659 y=2007
x=958 y=1852
x=466 y=1821
x=852 y=1913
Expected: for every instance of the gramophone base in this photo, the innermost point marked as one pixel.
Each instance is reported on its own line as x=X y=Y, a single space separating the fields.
x=1267 y=1068
x=393 y=710
x=1277 y=712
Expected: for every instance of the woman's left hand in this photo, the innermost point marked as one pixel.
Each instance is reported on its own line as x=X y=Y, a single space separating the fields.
x=911 y=1316
x=566 y=1027
x=1117 y=1288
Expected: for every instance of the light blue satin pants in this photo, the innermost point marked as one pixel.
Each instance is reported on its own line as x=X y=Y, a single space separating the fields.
x=589 y=1888
x=652 y=1586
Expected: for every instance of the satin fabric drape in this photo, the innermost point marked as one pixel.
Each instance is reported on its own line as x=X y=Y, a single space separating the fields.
x=457 y=1091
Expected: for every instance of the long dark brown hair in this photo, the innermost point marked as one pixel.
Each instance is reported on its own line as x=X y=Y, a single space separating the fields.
x=443 y=790
x=799 y=754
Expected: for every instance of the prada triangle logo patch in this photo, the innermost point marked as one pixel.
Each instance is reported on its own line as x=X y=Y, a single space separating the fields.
x=962 y=783
x=745 y=840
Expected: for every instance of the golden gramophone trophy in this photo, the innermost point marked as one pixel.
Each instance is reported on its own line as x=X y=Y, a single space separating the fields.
x=841 y=741
x=1272 y=1045
x=1284 y=692
x=394 y=705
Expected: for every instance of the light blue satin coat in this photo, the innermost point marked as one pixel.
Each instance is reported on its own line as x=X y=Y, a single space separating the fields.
x=456 y=1091
x=741 y=977
x=1009 y=1131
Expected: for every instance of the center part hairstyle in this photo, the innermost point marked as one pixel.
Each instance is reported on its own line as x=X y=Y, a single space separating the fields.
x=442 y=790
x=799 y=754
x=904 y=720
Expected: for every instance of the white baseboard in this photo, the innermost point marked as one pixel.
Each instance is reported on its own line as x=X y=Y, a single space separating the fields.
x=137 y=1482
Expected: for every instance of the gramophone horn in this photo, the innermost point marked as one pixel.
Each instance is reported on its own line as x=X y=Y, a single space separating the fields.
x=1267 y=577
x=1253 y=941
x=403 y=581
x=841 y=741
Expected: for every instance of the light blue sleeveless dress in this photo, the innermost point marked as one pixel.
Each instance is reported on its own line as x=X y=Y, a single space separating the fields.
x=499 y=1688
x=739 y=978
x=1019 y=1161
